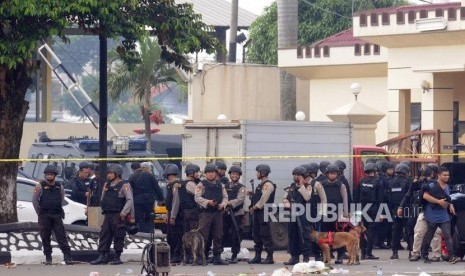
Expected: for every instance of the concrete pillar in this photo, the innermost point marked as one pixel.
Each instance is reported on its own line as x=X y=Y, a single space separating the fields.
x=363 y=134
x=398 y=112
x=437 y=113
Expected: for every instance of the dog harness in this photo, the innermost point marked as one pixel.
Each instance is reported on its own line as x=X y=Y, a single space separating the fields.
x=329 y=239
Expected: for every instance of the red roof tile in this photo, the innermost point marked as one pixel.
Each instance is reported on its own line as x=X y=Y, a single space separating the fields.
x=344 y=38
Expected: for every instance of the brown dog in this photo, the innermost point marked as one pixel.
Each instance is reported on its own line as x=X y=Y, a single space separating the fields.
x=335 y=240
x=192 y=241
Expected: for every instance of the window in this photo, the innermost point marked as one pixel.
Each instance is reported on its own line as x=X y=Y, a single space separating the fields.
x=376 y=49
x=366 y=49
x=439 y=12
x=400 y=18
x=326 y=51
x=308 y=51
x=462 y=13
x=415 y=116
x=452 y=14
x=357 y=50
x=385 y=18
x=374 y=19
x=363 y=20
x=423 y=14
x=411 y=16
x=317 y=51
x=299 y=52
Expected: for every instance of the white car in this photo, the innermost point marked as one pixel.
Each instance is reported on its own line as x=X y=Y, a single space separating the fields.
x=74 y=212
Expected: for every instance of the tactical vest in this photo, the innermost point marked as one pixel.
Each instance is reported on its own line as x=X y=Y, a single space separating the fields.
x=50 y=200
x=438 y=193
x=169 y=195
x=293 y=194
x=333 y=191
x=368 y=190
x=397 y=190
x=186 y=199
x=111 y=202
x=233 y=192
x=213 y=191
x=258 y=193
x=141 y=185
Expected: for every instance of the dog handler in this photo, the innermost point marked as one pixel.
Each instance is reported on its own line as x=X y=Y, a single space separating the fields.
x=117 y=203
x=212 y=196
x=47 y=201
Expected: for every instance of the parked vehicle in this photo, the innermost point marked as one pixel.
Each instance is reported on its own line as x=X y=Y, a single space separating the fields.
x=74 y=212
x=281 y=144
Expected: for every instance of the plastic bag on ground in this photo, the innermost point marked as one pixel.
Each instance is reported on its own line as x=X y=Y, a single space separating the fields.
x=243 y=255
x=281 y=272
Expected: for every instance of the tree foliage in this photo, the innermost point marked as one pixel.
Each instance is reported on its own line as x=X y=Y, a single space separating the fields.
x=24 y=23
x=318 y=19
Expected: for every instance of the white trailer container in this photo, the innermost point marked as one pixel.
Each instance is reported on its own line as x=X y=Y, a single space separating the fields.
x=281 y=144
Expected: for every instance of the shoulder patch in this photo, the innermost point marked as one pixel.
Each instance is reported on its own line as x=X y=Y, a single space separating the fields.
x=242 y=190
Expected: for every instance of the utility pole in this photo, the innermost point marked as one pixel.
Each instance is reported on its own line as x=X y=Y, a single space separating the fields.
x=233 y=30
x=103 y=106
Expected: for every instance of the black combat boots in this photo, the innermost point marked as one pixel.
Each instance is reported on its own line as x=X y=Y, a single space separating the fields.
x=269 y=258
x=48 y=259
x=102 y=259
x=67 y=258
x=292 y=261
x=117 y=259
x=218 y=261
x=233 y=259
x=257 y=259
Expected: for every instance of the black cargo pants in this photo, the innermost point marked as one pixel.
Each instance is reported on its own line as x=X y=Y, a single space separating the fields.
x=113 y=229
x=47 y=224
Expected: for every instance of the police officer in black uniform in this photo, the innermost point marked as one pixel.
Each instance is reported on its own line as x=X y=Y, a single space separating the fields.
x=188 y=206
x=117 y=203
x=236 y=197
x=221 y=170
x=263 y=194
x=79 y=184
x=175 y=227
x=322 y=166
x=94 y=193
x=145 y=190
x=398 y=188
x=341 y=177
x=385 y=227
x=336 y=194
x=47 y=201
x=211 y=195
x=298 y=230
x=370 y=193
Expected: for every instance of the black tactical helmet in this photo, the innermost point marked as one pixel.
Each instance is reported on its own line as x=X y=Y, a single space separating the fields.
x=323 y=165
x=431 y=167
x=402 y=169
x=84 y=165
x=331 y=168
x=313 y=167
x=192 y=168
x=341 y=164
x=370 y=167
x=235 y=169
x=263 y=169
x=135 y=165
x=301 y=171
x=171 y=169
x=390 y=165
x=117 y=169
x=51 y=169
x=307 y=169
x=210 y=168
x=381 y=165
x=220 y=165
x=132 y=228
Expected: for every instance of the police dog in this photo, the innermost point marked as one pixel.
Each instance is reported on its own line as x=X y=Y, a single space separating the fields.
x=335 y=240
x=192 y=241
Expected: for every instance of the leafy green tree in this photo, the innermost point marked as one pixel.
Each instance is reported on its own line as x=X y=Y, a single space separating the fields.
x=318 y=19
x=24 y=23
x=151 y=72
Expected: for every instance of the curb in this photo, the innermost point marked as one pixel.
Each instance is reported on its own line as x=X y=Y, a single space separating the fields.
x=27 y=257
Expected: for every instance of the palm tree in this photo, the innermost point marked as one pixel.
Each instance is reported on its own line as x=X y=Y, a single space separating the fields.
x=151 y=72
x=287 y=37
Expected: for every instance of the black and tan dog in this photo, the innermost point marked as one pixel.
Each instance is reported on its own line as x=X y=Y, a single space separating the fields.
x=192 y=241
x=335 y=240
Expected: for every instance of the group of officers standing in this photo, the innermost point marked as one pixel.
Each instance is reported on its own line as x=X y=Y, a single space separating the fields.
x=214 y=206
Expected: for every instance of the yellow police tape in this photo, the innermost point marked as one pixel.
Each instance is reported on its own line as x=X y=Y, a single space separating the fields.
x=258 y=157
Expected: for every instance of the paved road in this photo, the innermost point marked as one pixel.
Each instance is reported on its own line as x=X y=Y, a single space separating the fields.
x=402 y=266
